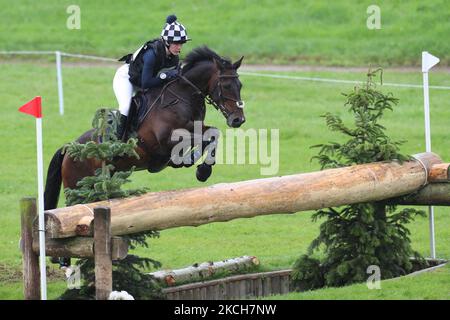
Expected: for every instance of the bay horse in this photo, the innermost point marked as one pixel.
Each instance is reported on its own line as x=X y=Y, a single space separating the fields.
x=179 y=105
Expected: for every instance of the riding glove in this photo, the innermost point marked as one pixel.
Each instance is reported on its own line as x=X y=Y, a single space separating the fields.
x=171 y=74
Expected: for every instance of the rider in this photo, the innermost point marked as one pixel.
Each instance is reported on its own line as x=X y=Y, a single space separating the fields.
x=152 y=65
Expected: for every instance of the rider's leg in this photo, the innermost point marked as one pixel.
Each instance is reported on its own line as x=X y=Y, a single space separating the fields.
x=123 y=89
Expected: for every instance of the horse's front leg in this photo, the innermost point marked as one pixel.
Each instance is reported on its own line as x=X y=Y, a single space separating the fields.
x=184 y=148
x=209 y=146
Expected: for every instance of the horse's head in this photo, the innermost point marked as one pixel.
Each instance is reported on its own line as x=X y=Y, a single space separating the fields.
x=225 y=91
x=218 y=80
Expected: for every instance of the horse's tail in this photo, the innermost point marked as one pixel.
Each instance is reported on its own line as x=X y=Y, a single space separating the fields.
x=53 y=183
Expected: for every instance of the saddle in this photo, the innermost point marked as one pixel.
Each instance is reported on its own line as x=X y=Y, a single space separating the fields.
x=141 y=105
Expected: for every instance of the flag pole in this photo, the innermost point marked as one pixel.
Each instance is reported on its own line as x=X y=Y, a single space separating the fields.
x=428 y=61
x=34 y=109
x=40 y=166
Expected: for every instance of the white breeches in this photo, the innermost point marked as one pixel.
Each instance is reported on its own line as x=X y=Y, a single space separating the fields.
x=123 y=89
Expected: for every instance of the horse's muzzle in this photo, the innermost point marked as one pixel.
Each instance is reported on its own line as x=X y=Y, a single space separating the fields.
x=235 y=121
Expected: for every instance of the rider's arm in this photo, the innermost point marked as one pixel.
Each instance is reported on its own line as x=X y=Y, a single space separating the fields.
x=147 y=80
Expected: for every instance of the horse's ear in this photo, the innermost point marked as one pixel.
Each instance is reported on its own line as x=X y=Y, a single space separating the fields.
x=219 y=64
x=237 y=64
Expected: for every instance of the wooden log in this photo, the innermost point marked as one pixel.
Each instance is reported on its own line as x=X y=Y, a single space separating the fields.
x=249 y=290
x=267 y=286
x=119 y=248
x=222 y=293
x=433 y=194
x=242 y=291
x=228 y=290
x=103 y=262
x=84 y=226
x=30 y=260
x=189 y=295
x=204 y=270
x=196 y=294
x=203 y=294
x=276 y=285
x=210 y=292
x=81 y=247
x=285 y=281
x=258 y=285
x=439 y=173
x=245 y=199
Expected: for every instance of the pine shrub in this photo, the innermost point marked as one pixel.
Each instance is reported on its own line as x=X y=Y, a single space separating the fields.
x=106 y=184
x=356 y=236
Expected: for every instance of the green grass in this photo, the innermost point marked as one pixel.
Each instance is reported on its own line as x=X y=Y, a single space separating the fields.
x=294 y=107
x=302 y=32
x=427 y=286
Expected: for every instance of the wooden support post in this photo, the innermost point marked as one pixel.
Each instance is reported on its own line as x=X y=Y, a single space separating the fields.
x=102 y=252
x=31 y=274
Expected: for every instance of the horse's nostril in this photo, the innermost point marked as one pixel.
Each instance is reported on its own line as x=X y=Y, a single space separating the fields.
x=237 y=122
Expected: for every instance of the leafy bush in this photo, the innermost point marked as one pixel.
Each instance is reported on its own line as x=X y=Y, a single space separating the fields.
x=359 y=235
x=107 y=184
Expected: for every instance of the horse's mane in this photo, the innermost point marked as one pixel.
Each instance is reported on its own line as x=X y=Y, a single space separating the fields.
x=201 y=54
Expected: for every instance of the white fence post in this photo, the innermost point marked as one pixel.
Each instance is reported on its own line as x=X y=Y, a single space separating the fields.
x=60 y=84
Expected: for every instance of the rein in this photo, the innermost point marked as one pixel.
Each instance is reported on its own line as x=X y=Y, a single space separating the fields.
x=219 y=106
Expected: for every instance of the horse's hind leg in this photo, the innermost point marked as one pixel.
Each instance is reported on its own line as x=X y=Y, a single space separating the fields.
x=73 y=171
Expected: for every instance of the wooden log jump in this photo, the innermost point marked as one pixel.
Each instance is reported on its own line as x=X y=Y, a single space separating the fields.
x=424 y=180
x=227 y=201
x=102 y=247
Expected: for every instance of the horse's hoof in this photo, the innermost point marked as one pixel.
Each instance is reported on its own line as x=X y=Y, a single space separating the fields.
x=203 y=172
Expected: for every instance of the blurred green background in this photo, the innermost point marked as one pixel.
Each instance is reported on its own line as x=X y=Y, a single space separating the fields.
x=299 y=32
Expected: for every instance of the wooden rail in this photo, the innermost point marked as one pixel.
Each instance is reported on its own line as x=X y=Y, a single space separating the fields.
x=245 y=199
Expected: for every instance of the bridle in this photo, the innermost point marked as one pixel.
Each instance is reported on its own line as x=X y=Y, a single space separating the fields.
x=218 y=86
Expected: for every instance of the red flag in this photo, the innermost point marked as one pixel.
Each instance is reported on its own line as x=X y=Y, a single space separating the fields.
x=33 y=107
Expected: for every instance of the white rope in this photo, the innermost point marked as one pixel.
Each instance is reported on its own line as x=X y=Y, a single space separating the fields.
x=425 y=168
x=267 y=75
x=87 y=57
x=279 y=76
x=27 y=52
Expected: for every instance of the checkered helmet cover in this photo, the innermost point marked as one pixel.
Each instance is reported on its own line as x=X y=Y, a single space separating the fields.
x=174 y=32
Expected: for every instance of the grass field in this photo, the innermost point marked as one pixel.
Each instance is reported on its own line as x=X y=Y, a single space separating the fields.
x=302 y=32
x=422 y=286
x=293 y=107
x=293 y=32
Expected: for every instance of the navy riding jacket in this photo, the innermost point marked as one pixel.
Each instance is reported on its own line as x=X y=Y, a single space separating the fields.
x=150 y=77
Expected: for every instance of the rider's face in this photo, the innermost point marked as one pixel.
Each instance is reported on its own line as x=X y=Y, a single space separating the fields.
x=175 y=48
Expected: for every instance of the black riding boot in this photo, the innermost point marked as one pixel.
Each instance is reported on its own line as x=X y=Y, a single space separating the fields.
x=121 y=126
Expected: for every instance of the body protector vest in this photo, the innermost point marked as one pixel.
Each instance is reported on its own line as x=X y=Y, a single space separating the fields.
x=137 y=63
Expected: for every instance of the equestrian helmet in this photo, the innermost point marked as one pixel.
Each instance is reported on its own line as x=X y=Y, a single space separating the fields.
x=174 y=31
